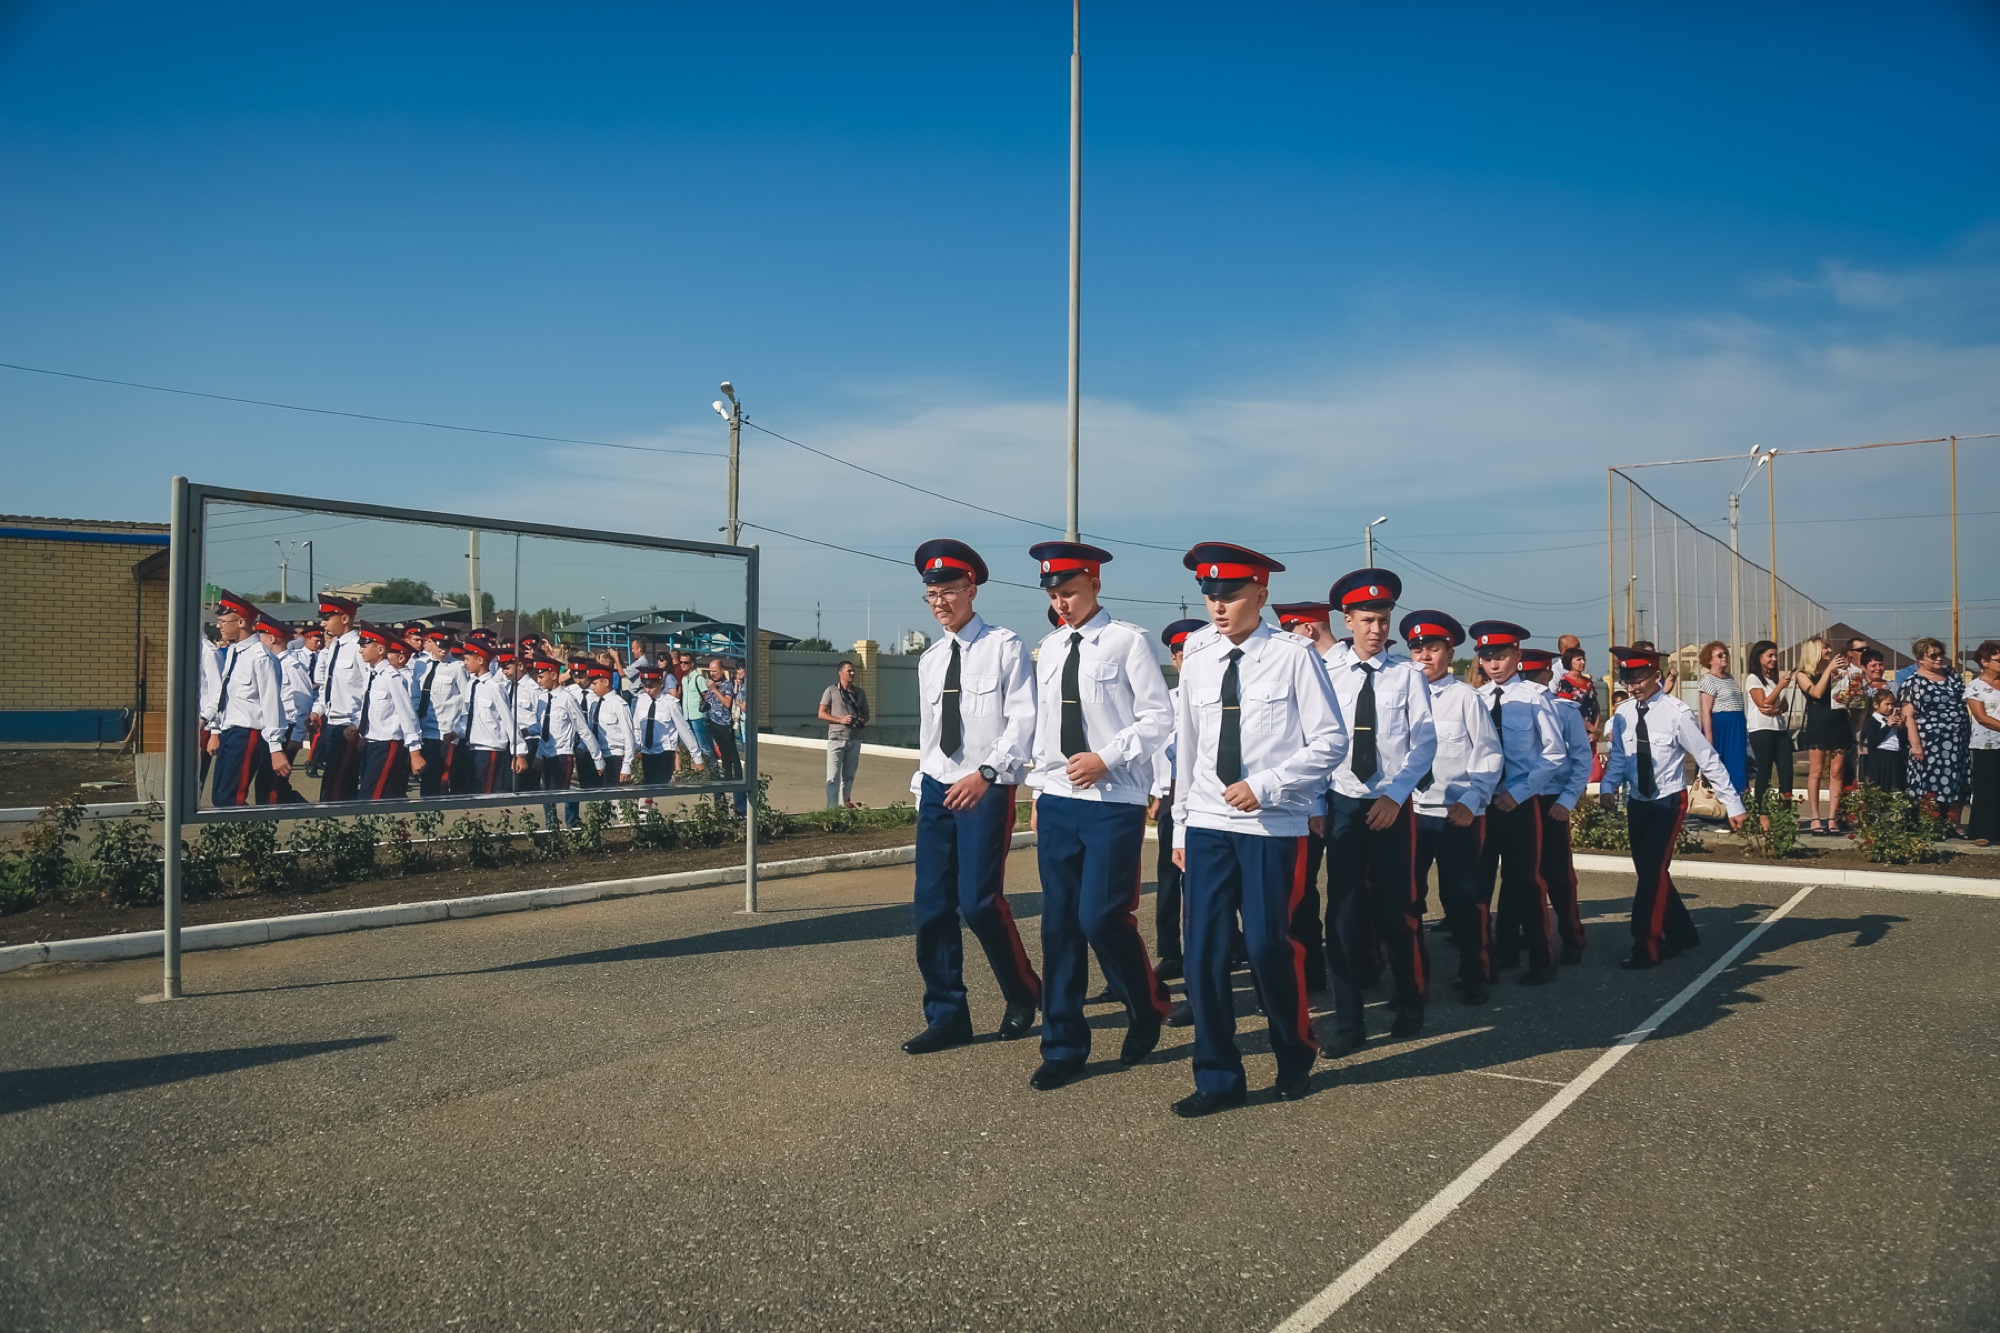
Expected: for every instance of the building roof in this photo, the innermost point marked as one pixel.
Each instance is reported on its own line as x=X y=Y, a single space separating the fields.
x=79 y=524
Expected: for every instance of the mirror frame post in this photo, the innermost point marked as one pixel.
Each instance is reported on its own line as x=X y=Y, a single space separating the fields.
x=183 y=601
x=750 y=687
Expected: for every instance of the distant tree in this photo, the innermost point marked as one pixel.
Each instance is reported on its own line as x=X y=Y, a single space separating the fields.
x=812 y=646
x=404 y=592
x=463 y=599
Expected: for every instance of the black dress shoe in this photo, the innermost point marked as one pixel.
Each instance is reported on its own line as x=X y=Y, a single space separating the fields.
x=1571 y=954
x=1018 y=1021
x=938 y=1039
x=1292 y=1087
x=1474 y=991
x=1675 y=948
x=1182 y=1016
x=1197 y=1104
x=1345 y=1043
x=1140 y=1039
x=1637 y=962
x=1409 y=1022
x=1539 y=976
x=1168 y=970
x=1053 y=1074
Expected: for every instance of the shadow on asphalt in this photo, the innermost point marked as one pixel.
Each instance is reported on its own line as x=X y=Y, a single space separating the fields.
x=26 y=1089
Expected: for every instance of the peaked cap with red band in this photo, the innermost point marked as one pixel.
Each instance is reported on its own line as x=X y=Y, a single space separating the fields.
x=1222 y=567
x=273 y=625
x=1065 y=560
x=1537 y=659
x=242 y=606
x=1299 y=613
x=650 y=674
x=378 y=633
x=1364 y=587
x=310 y=631
x=440 y=633
x=329 y=605
x=1176 y=634
x=596 y=670
x=1636 y=659
x=1497 y=634
x=579 y=665
x=1420 y=625
x=543 y=662
x=943 y=559
x=481 y=647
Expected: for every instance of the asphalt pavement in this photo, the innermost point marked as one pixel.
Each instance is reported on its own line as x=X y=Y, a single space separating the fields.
x=661 y=1113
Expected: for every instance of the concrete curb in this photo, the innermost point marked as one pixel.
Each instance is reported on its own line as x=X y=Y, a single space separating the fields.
x=1736 y=871
x=264 y=930
x=28 y=814
x=808 y=743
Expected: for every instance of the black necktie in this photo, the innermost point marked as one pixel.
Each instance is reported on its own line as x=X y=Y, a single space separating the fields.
x=595 y=704
x=1500 y=735
x=367 y=695
x=646 y=736
x=424 y=702
x=1649 y=782
x=1229 y=740
x=332 y=660
x=1073 y=742
x=222 y=690
x=951 y=728
x=1366 y=761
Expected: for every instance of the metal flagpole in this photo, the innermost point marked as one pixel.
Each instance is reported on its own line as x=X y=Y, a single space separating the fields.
x=1075 y=255
x=1771 y=480
x=1954 y=554
x=1610 y=562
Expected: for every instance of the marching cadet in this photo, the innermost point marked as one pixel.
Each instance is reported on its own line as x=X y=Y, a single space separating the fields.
x=209 y=682
x=295 y=695
x=1558 y=863
x=1103 y=715
x=1532 y=757
x=1452 y=797
x=976 y=723
x=1166 y=871
x=1313 y=622
x=493 y=745
x=388 y=722
x=526 y=697
x=307 y=651
x=1257 y=734
x=245 y=715
x=440 y=707
x=610 y=717
x=661 y=727
x=590 y=770
x=342 y=679
x=1371 y=824
x=565 y=728
x=1652 y=735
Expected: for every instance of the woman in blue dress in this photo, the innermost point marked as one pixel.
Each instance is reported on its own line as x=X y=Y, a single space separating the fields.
x=1722 y=719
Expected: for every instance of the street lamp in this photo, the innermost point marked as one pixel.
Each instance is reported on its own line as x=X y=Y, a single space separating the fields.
x=1735 y=564
x=1368 y=540
x=733 y=414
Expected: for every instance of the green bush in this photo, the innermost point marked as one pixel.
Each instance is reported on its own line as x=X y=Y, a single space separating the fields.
x=16 y=894
x=44 y=854
x=333 y=851
x=125 y=863
x=1593 y=827
x=475 y=838
x=1782 y=838
x=1891 y=828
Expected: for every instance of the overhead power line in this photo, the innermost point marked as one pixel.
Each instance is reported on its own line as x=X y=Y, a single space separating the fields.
x=357 y=416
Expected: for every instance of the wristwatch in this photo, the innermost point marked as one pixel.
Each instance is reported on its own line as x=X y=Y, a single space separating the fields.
x=990 y=773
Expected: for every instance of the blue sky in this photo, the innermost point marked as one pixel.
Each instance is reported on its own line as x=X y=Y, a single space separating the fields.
x=1445 y=264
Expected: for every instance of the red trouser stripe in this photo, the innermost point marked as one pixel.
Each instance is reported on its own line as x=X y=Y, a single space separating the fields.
x=388 y=767
x=249 y=768
x=1663 y=881
x=1303 y=1018
x=1410 y=912
x=1156 y=993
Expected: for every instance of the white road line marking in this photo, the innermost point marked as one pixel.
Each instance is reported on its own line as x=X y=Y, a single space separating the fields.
x=1518 y=1078
x=1420 y=1223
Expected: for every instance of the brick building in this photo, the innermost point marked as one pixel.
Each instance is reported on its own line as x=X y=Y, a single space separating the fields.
x=83 y=642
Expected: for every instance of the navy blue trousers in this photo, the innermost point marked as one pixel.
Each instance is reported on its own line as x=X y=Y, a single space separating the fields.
x=1167 y=887
x=1659 y=917
x=1455 y=853
x=339 y=757
x=1374 y=888
x=1089 y=852
x=1263 y=878
x=385 y=771
x=961 y=878
x=242 y=767
x=435 y=780
x=1514 y=849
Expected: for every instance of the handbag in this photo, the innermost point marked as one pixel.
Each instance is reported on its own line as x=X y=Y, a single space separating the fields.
x=1703 y=803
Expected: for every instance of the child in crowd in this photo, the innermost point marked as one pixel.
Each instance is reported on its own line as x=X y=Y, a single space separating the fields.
x=1888 y=761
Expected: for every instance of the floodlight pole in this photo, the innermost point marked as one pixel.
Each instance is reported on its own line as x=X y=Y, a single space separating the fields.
x=1736 y=563
x=1368 y=541
x=734 y=416
x=1075 y=258
x=1955 y=663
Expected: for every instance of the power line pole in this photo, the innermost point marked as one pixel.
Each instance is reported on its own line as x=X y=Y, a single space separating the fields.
x=1075 y=254
x=733 y=414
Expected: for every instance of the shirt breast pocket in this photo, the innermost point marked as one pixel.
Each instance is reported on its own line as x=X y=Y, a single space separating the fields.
x=1265 y=709
x=980 y=696
x=1098 y=680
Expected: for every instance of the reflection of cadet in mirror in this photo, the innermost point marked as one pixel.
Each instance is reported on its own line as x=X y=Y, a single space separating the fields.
x=295 y=697
x=660 y=727
x=245 y=715
x=342 y=677
x=611 y=719
x=388 y=722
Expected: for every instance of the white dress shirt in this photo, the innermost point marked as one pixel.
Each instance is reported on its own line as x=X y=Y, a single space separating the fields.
x=1127 y=714
x=1405 y=740
x=342 y=677
x=247 y=694
x=1163 y=758
x=1466 y=767
x=1578 y=751
x=295 y=691
x=566 y=728
x=669 y=724
x=1672 y=733
x=446 y=681
x=1292 y=734
x=996 y=706
x=490 y=723
x=610 y=717
x=391 y=715
x=528 y=694
x=1531 y=741
x=210 y=673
